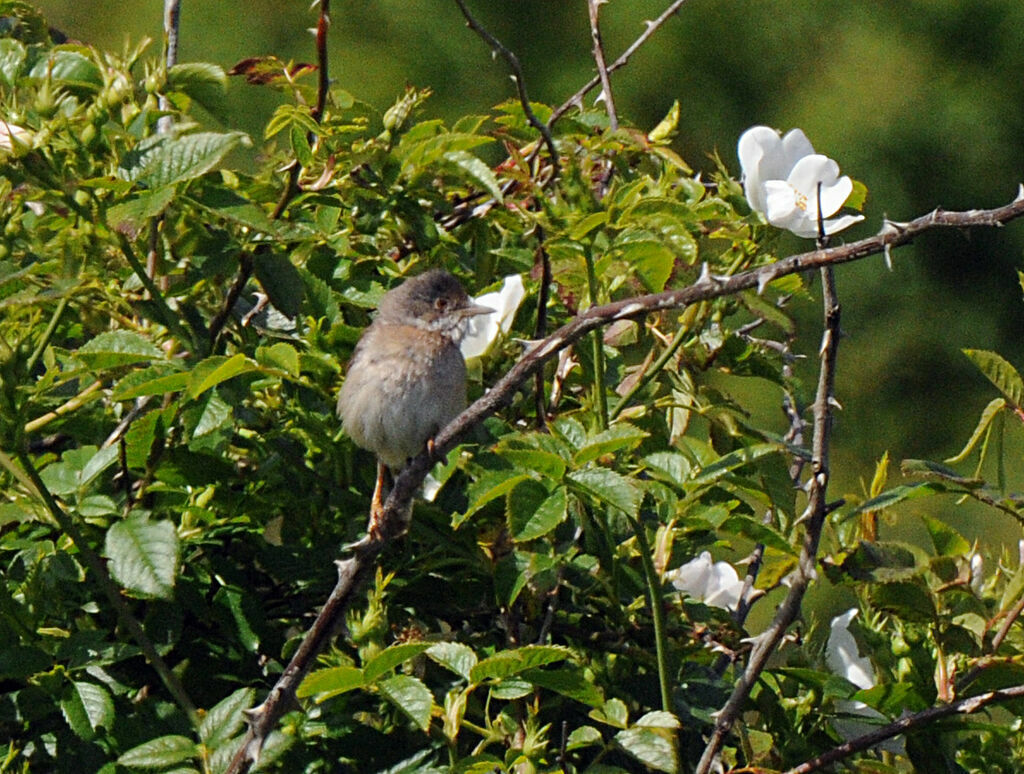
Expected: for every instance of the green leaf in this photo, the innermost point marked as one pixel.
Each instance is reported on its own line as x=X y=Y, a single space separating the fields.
x=533 y=512
x=667 y=127
x=117 y=348
x=588 y=224
x=69 y=68
x=896 y=495
x=573 y=682
x=652 y=748
x=391 y=657
x=410 y=696
x=157 y=753
x=733 y=460
x=149 y=381
x=513 y=662
x=86 y=707
x=614 y=713
x=281 y=355
x=280 y=280
x=131 y=215
x=514 y=570
x=214 y=370
x=12 y=57
x=490 y=486
x=225 y=719
x=144 y=556
x=454 y=656
x=609 y=487
x=652 y=260
x=908 y=600
x=997 y=370
x=171 y=160
x=756 y=530
x=618 y=437
x=990 y=412
x=325 y=683
x=947 y=541
x=203 y=82
x=475 y=170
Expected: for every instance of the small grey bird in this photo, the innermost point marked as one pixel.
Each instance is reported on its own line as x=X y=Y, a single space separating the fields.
x=407 y=377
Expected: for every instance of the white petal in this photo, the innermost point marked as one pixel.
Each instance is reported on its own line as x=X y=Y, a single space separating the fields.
x=795 y=146
x=836 y=225
x=834 y=196
x=842 y=656
x=715 y=584
x=482 y=330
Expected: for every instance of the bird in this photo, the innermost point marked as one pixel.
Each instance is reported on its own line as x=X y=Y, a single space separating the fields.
x=407 y=378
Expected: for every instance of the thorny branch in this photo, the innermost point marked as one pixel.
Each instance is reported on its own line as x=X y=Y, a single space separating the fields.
x=814 y=515
x=291 y=188
x=652 y=27
x=282 y=696
x=909 y=723
x=517 y=76
x=594 y=8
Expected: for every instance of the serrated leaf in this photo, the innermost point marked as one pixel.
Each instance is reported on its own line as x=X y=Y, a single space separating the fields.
x=171 y=160
x=658 y=719
x=671 y=467
x=547 y=464
x=69 y=68
x=214 y=370
x=908 y=600
x=203 y=82
x=609 y=487
x=280 y=280
x=756 y=530
x=614 y=713
x=997 y=370
x=454 y=656
x=391 y=657
x=513 y=571
x=99 y=462
x=12 y=57
x=144 y=556
x=618 y=437
x=281 y=355
x=652 y=261
x=490 y=486
x=733 y=460
x=410 y=696
x=588 y=224
x=947 y=541
x=87 y=707
x=666 y=128
x=513 y=662
x=987 y=415
x=533 y=512
x=225 y=719
x=157 y=753
x=939 y=472
x=117 y=348
x=649 y=747
x=476 y=171
x=568 y=681
x=149 y=381
x=896 y=495
x=325 y=683
x=131 y=215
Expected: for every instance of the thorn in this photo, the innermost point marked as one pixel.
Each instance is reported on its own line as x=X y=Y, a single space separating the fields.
x=835 y=403
x=826 y=342
x=763 y=278
x=705 y=274
x=1020 y=193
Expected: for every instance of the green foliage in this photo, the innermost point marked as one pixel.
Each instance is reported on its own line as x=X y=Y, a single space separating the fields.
x=186 y=431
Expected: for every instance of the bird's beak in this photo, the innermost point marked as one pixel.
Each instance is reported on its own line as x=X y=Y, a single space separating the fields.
x=474 y=309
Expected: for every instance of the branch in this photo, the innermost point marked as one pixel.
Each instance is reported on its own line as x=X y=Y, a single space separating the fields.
x=909 y=723
x=652 y=27
x=594 y=7
x=172 y=23
x=815 y=513
x=291 y=186
x=517 y=76
x=350 y=572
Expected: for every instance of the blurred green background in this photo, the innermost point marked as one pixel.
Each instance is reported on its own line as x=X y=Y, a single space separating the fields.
x=922 y=100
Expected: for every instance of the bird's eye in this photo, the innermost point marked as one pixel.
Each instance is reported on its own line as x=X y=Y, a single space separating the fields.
x=441 y=304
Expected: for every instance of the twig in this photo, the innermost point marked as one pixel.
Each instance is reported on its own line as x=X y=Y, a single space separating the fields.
x=910 y=722
x=652 y=27
x=71 y=404
x=172 y=24
x=291 y=186
x=541 y=329
x=594 y=9
x=815 y=513
x=282 y=696
x=517 y=76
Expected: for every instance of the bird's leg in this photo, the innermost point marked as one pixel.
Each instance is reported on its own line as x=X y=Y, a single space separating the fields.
x=380 y=493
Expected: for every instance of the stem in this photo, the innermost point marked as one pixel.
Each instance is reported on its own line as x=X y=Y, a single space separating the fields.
x=594 y=8
x=167 y=315
x=541 y=329
x=110 y=589
x=67 y=407
x=657 y=613
x=652 y=372
x=600 y=399
x=47 y=335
